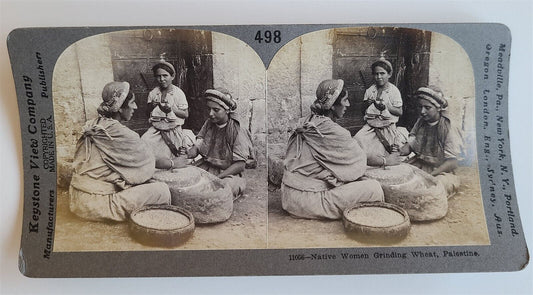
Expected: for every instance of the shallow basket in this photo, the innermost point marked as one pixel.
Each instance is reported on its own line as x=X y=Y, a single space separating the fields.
x=382 y=234
x=162 y=237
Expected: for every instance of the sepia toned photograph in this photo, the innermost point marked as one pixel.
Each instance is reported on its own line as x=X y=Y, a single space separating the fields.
x=251 y=147
x=371 y=141
x=265 y=150
x=160 y=139
x=162 y=142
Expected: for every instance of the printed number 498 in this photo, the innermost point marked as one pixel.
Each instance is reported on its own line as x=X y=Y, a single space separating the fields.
x=268 y=36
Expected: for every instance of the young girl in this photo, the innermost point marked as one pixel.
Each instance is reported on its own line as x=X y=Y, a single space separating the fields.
x=435 y=141
x=168 y=109
x=380 y=137
x=225 y=146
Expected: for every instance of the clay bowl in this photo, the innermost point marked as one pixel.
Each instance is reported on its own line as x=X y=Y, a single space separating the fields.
x=161 y=225
x=376 y=222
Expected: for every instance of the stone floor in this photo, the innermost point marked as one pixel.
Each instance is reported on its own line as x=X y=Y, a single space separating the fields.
x=259 y=211
x=246 y=228
x=463 y=225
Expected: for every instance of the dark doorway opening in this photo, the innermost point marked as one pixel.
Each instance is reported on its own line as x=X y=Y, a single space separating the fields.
x=190 y=52
x=354 y=51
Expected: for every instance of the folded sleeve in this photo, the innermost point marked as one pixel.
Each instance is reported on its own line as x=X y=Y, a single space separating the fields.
x=243 y=147
x=453 y=144
x=395 y=97
x=180 y=100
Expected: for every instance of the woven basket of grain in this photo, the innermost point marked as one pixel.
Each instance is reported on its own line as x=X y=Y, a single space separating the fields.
x=420 y=194
x=161 y=225
x=376 y=222
x=199 y=192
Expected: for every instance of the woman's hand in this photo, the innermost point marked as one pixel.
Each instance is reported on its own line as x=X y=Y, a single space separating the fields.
x=192 y=152
x=393 y=159
x=233 y=169
x=165 y=107
x=380 y=105
x=366 y=104
x=180 y=162
x=172 y=163
x=447 y=166
x=397 y=111
x=150 y=108
x=405 y=150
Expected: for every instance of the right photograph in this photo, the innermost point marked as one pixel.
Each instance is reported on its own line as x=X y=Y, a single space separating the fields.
x=371 y=141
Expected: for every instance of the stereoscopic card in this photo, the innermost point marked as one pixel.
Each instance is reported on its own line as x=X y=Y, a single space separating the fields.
x=266 y=150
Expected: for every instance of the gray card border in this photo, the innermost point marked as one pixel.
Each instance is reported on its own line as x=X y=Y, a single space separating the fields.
x=507 y=252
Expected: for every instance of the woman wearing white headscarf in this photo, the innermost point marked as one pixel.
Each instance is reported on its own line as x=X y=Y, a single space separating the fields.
x=224 y=145
x=112 y=164
x=435 y=141
x=323 y=163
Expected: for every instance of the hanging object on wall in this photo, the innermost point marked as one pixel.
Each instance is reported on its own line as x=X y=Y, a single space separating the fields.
x=371 y=33
x=148 y=35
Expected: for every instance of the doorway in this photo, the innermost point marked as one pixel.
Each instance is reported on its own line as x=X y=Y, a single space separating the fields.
x=354 y=51
x=134 y=53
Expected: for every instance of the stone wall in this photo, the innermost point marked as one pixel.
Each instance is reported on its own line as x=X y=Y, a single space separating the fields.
x=316 y=64
x=80 y=74
x=69 y=109
x=451 y=70
x=85 y=67
x=293 y=76
x=239 y=69
x=298 y=68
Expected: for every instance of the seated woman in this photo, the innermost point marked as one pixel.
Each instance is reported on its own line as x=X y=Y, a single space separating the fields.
x=379 y=137
x=435 y=141
x=112 y=164
x=168 y=110
x=224 y=145
x=323 y=163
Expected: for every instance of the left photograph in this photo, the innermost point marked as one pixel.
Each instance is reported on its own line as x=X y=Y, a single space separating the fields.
x=161 y=143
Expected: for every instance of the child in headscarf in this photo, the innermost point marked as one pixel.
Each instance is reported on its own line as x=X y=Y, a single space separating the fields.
x=436 y=142
x=323 y=163
x=168 y=109
x=225 y=146
x=379 y=137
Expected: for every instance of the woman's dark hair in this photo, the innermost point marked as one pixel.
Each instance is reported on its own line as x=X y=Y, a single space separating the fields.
x=164 y=67
x=383 y=64
x=128 y=99
x=342 y=95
